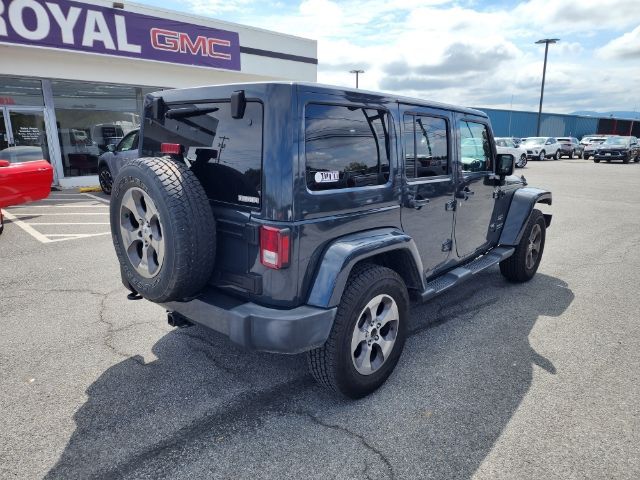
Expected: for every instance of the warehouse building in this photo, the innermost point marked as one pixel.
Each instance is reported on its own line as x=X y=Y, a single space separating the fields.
x=508 y=123
x=74 y=74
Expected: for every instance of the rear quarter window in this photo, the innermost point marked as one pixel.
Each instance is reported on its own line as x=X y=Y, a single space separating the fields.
x=225 y=153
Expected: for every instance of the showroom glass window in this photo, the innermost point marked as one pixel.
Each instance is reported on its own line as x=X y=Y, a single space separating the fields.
x=345 y=147
x=90 y=117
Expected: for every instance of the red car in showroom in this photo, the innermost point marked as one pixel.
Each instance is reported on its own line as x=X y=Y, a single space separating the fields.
x=24 y=176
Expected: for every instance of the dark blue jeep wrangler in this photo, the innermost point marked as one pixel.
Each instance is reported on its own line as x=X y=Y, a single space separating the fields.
x=297 y=217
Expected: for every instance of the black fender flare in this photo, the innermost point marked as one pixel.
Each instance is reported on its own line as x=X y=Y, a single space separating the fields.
x=522 y=204
x=342 y=254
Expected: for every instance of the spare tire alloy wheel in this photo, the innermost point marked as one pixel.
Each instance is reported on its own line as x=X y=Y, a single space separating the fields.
x=163 y=229
x=141 y=232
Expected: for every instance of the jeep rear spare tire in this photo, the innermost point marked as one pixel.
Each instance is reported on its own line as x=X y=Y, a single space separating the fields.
x=162 y=228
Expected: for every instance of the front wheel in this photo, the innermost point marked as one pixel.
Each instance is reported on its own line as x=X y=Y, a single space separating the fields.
x=523 y=264
x=596 y=160
x=105 y=179
x=367 y=336
x=522 y=161
x=542 y=156
x=557 y=155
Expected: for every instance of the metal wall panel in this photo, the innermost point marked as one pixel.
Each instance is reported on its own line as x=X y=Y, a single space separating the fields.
x=507 y=123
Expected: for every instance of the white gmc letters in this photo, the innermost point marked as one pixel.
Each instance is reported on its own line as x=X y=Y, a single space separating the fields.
x=95 y=29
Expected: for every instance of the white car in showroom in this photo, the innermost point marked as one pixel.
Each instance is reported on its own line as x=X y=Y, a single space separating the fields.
x=541 y=148
x=507 y=145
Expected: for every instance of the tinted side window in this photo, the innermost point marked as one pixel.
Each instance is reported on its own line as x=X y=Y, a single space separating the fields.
x=475 y=147
x=345 y=147
x=225 y=153
x=425 y=146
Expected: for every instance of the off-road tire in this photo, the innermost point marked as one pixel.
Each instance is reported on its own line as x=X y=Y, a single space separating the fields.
x=105 y=179
x=514 y=268
x=331 y=365
x=188 y=228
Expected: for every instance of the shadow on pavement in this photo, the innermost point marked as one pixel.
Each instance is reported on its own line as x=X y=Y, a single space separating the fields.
x=455 y=390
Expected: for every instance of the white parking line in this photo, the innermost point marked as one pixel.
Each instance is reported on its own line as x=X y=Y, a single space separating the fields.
x=79 y=201
x=70 y=223
x=26 y=214
x=27 y=228
x=96 y=197
x=66 y=205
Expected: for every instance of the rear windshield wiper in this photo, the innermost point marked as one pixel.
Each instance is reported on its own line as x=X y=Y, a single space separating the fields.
x=189 y=112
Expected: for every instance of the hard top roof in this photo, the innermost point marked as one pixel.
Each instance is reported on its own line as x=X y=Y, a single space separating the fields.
x=321 y=88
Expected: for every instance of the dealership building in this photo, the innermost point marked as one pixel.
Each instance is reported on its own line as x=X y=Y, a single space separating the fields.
x=74 y=74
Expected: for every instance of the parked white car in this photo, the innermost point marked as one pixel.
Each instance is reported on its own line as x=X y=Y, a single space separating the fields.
x=541 y=148
x=507 y=145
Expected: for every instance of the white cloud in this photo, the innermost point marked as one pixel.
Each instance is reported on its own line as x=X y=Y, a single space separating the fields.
x=625 y=47
x=459 y=52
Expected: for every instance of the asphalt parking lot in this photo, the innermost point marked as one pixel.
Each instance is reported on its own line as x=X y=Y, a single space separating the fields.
x=540 y=380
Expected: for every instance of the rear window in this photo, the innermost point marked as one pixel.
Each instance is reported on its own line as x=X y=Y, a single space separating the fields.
x=345 y=147
x=225 y=153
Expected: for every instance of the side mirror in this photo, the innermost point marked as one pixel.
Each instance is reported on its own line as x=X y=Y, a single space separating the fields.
x=238 y=104
x=111 y=147
x=4 y=163
x=504 y=164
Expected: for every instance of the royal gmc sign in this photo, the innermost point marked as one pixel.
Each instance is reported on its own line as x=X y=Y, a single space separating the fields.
x=69 y=25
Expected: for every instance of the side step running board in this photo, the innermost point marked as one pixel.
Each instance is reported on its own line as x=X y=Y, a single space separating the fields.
x=465 y=272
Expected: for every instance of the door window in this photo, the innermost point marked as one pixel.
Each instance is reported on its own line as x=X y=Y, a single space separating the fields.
x=130 y=142
x=475 y=147
x=345 y=147
x=425 y=146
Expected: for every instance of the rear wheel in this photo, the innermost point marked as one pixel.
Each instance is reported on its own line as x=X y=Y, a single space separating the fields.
x=367 y=336
x=523 y=264
x=105 y=179
x=163 y=229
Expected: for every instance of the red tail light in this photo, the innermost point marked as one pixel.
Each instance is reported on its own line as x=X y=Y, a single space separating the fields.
x=171 y=148
x=274 y=247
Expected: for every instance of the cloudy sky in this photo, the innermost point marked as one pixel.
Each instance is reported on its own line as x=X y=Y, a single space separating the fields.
x=469 y=52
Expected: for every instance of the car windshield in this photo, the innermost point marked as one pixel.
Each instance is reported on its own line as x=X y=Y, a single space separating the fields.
x=534 y=141
x=615 y=141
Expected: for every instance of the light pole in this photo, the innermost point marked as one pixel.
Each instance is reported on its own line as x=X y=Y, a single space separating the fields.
x=546 y=42
x=357 y=72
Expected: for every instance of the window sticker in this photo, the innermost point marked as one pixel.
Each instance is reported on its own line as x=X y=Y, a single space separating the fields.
x=327 y=177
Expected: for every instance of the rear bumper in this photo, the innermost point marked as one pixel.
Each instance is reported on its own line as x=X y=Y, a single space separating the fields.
x=257 y=327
